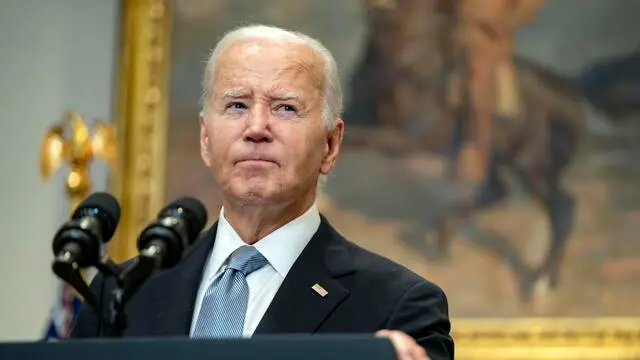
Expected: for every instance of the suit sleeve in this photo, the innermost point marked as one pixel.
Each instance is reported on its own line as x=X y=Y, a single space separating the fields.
x=423 y=313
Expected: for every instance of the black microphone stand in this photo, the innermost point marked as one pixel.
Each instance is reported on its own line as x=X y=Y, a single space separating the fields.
x=128 y=282
x=69 y=271
x=109 y=269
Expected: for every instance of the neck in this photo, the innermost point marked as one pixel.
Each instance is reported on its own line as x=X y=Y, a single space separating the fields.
x=254 y=222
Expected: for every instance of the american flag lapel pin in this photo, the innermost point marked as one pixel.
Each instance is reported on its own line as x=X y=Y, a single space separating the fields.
x=320 y=290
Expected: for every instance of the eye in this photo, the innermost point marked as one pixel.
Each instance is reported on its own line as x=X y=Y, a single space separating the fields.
x=236 y=105
x=286 y=108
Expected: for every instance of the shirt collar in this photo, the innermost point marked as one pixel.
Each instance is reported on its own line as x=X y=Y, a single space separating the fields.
x=281 y=247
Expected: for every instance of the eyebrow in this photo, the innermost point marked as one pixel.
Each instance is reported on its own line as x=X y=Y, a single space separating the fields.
x=241 y=94
x=234 y=94
x=286 y=96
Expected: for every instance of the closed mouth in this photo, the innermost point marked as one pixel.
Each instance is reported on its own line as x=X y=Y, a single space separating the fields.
x=256 y=160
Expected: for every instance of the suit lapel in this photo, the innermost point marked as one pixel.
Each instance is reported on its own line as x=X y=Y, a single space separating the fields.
x=175 y=290
x=297 y=307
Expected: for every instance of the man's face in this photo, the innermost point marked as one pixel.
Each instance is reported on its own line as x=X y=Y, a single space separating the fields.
x=264 y=137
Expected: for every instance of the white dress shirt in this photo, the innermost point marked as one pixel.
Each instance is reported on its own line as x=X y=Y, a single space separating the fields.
x=281 y=248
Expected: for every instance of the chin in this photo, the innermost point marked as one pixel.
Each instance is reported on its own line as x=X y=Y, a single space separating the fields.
x=254 y=195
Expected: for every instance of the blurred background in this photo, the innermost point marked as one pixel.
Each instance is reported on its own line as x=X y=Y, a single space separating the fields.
x=56 y=55
x=491 y=146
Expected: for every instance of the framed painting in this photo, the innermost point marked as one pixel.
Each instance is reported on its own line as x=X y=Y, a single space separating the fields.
x=491 y=146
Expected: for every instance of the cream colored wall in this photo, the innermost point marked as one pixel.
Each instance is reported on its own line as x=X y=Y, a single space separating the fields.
x=54 y=55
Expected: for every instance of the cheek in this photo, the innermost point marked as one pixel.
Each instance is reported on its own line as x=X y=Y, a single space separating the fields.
x=309 y=153
x=219 y=147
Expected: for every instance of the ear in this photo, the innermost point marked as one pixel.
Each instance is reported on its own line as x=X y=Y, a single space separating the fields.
x=332 y=147
x=205 y=149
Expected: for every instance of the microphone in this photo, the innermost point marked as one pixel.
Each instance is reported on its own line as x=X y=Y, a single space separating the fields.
x=92 y=224
x=79 y=242
x=176 y=227
x=162 y=243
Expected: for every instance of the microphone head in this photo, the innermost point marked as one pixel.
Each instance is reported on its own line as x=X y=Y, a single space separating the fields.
x=176 y=227
x=103 y=206
x=190 y=208
x=92 y=224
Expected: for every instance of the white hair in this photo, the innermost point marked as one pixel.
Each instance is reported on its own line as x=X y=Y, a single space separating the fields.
x=332 y=94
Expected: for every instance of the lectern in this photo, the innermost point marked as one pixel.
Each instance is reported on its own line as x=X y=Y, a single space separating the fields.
x=280 y=347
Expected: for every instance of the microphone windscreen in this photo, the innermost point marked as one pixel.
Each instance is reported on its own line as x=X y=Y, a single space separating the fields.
x=194 y=210
x=104 y=206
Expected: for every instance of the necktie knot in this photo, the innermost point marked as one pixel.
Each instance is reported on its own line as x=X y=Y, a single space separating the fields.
x=246 y=260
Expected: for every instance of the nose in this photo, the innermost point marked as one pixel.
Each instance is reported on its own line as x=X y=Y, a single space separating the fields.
x=258 y=129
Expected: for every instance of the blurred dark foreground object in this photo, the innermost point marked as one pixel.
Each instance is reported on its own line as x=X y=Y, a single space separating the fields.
x=281 y=347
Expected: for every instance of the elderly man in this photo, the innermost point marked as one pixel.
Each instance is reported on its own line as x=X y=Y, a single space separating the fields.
x=270 y=128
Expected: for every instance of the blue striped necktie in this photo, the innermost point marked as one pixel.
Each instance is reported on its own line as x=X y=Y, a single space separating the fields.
x=224 y=304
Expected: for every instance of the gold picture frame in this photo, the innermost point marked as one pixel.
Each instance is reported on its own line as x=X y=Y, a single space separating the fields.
x=138 y=181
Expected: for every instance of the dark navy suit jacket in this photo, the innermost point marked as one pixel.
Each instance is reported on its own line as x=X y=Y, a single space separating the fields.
x=366 y=293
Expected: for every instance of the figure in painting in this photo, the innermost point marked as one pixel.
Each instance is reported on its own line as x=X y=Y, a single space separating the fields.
x=480 y=50
x=443 y=79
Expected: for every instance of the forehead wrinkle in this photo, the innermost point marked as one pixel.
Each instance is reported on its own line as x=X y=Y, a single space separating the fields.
x=296 y=62
x=301 y=67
